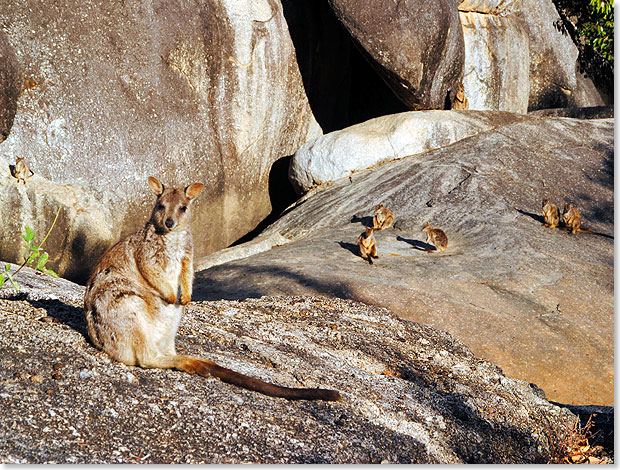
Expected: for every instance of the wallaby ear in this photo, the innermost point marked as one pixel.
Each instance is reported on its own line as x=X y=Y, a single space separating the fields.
x=193 y=190
x=156 y=186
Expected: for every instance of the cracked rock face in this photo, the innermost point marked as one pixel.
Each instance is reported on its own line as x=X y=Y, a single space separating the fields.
x=536 y=301
x=184 y=91
x=411 y=393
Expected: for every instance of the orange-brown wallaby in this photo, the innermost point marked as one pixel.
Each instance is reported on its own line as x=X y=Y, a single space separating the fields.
x=132 y=303
x=550 y=213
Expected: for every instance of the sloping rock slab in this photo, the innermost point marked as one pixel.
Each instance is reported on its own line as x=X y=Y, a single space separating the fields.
x=538 y=302
x=411 y=393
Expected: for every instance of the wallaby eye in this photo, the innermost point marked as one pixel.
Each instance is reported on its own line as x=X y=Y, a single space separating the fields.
x=183 y=208
x=159 y=206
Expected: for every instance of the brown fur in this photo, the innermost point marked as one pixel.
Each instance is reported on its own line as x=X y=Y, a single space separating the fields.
x=550 y=213
x=135 y=297
x=384 y=218
x=460 y=100
x=572 y=218
x=21 y=171
x=436 y=237
x=368 y=245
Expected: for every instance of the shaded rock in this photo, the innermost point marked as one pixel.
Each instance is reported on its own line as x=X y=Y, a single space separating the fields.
x=416 y=49
x=411 y=393
x=594 y=112
x=341 y=153
x=555 y=81
x=185 y=91
x=10 y=85
x=536 y=301
x=342 y=87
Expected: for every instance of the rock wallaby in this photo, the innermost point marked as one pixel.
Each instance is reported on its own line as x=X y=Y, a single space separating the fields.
x=436 y=237
x=572 y=220
x=135 y=297
x=368 y=245
x=460 y=100
x=384 y=218
x=550 y=214
x=21 y=171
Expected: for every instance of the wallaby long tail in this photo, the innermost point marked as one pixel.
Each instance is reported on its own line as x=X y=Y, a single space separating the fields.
x=208 y=368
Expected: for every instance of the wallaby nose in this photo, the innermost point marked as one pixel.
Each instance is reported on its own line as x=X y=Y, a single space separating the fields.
x=169 y=223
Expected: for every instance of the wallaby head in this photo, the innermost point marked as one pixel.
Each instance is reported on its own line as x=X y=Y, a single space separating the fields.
x=568 y=207
x=171 y=209
x=426 y=227
x=369 y=231
x=379 y=206
x=545 y=202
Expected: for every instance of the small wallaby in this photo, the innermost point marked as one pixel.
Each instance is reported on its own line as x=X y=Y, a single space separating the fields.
x=368 y=245
x=550 y=214
x=435 y=236
x=135 y=297
x=460 y=100
x=384 y=218
x=21 y=171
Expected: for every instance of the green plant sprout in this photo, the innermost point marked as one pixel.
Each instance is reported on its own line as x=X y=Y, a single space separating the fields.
x=35 y=252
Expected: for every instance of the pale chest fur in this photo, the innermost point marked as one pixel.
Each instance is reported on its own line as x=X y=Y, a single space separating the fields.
x=175 y=248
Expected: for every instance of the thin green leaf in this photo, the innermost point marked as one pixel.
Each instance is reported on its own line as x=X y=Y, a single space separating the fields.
x=15 y=285
x=42 y=260
x=1 y=280
x=29 y=234
x=7 y=268
x=51 y=273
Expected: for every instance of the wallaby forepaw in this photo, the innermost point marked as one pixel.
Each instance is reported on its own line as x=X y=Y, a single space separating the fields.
x=185 y=299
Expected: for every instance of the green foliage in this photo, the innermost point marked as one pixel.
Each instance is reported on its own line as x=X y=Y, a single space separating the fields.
x=598 y=28
x=34 y=254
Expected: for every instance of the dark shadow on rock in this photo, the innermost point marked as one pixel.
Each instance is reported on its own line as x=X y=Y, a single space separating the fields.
x=366 y=221
x=230 y=282
x=536 y=217
x=602 y=421
x=417 y=244
x=64 y=313
x=281 y=195
x=341 y=85
x=352 y=247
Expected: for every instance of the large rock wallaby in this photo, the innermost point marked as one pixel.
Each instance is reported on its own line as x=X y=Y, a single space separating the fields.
x=135 y=297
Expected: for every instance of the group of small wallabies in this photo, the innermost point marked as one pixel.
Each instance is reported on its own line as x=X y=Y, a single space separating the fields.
x=384 y=218
x=570 y=216
x=136 y=294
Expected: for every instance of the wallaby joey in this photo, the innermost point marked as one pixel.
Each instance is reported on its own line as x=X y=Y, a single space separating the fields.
x=435 y=236
x=550 y=214
x=135 y=297
x=367 y=244
x=384 y=218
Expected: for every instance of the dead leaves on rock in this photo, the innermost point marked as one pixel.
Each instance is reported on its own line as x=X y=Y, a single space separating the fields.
x=571 y=445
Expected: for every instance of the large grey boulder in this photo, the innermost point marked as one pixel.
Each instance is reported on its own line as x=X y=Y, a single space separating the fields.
x=516 y=59
x=416 y=49
x=555 y=80
x=184 y=91
x=411 y=393
x=344 y=152
x=538 y=302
